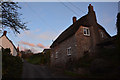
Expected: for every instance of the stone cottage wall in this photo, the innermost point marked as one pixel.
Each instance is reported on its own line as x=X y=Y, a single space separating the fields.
x=63 y=58
x=84 y=43
x=103 y=35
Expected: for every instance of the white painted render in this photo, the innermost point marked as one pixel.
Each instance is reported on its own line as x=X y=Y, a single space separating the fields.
x=5 y=43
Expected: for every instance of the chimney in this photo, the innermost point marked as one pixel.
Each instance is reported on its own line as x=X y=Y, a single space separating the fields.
x=90 y=8
x=5 y=32
x=18 y=48
x=74 y=19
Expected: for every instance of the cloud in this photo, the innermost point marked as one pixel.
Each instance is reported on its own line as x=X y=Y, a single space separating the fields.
x=47 y=35
x=35 y=37
x=40 y=45
x=34 y=50
x=38 y=35
x=26 y=43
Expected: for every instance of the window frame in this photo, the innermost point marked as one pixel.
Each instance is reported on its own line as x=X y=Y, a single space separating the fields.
x=69 y=51
x=86 y=31
x=102 y=35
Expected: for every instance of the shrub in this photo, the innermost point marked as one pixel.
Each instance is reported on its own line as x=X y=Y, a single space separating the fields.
x=39 y=59
x=11 y=65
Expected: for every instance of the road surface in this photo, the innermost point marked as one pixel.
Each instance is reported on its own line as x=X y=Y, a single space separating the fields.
x=38 y=71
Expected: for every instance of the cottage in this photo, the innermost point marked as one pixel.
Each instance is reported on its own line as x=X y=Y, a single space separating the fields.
x=79 y=39
x=6 y=43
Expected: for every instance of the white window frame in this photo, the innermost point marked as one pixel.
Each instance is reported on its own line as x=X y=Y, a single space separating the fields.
x=56 y=55
x=69 y=51
x=85 y=29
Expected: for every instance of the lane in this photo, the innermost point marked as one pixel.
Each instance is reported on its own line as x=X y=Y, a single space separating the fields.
x=35 y=71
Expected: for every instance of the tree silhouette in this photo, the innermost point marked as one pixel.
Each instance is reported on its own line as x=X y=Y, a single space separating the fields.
x=118 y=30
x=11 y=17
x=118 y=24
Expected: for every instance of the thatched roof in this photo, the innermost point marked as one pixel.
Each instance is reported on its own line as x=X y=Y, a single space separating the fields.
x=83 y=21
x=71 y=30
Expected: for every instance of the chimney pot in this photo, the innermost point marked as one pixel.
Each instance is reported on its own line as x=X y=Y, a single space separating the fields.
x=5 y=32
x=90 y=8
x=74 y=19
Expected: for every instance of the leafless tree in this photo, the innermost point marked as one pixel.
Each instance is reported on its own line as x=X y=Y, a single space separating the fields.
x=11 y=17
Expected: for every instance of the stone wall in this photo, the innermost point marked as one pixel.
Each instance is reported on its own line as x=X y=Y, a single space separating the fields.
x=103 y=35
x=80 y=45
x=84 y=43
x=61 y=48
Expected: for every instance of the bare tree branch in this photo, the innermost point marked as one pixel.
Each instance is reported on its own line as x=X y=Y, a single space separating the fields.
x=11 y=17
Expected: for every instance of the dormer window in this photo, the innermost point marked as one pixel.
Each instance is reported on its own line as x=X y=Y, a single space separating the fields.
x=86 y=31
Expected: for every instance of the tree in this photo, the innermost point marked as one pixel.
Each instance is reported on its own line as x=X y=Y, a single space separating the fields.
x=11 y=65
x=11 y=17
x=118 y=30
x=28 y=51
x=118 y=24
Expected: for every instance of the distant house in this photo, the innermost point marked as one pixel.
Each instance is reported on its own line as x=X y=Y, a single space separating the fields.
x=6 y=43
x=45 y=51
x=79 y=39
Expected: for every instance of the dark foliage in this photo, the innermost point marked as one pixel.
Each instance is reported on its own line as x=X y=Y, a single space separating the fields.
x=118 y=24
x=83 y=62
x=11 y=65
x=43 y=59
x=106 y=63
x=118 y=30
x=11 y=17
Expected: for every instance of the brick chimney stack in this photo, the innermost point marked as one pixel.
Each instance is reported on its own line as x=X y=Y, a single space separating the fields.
x=90 y=8
x=5 y=32
x=74 y=19
x=92 y=15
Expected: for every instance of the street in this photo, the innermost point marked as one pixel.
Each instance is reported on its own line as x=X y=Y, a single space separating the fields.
x=38 y=71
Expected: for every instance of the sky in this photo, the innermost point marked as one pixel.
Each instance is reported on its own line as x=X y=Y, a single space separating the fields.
x=47 y=20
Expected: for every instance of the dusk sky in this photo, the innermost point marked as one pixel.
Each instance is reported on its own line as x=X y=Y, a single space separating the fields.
x=47 y=20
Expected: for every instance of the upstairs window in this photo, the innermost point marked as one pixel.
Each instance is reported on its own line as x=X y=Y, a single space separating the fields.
x=69 y=51
x=56 y=55
x=86 y=31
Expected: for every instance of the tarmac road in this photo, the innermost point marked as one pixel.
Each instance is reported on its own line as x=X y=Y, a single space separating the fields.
x=38 y=71
x=35 y=71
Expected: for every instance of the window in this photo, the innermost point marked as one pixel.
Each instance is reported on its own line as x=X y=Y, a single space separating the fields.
x=102 y=34
x=86 y=31
x=69 y=51
x=56 y=55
